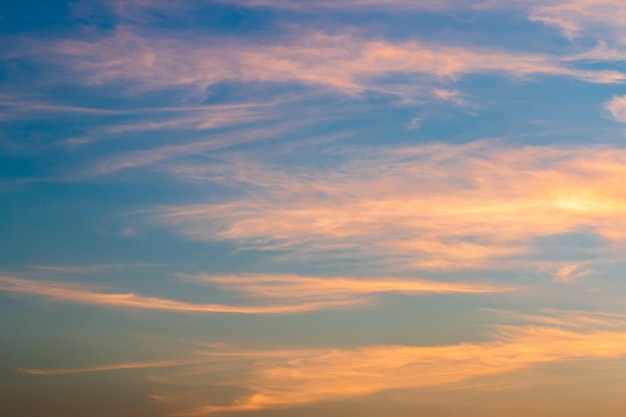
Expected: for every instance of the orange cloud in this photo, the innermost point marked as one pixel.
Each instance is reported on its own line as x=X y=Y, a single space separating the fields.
x=279 y=378
x=293 y=286
x=112 y=367
x=433 y=206
x=85 y=295
x=287 y=378
x=571 y=320
x=570 y=272
x=305 y=293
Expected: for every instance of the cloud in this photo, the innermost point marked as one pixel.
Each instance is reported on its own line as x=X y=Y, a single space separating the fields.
x=571 y=272
x=453 y=96
x=112 y=367
x=601 y=53
x=89 y=269
x=574 y=18
x=433 y=206
x=199 y=117
x=617 y=107
x=367 y=5
x=202 y=117
x=596 y=18
x=153 y=156
x=322 y=375
x=300 y=288
x=84 y=295
x=25 y=109
x=287 y=377
x=570 y=320
x=347 y=62
x=105 y=123
x=290 y=294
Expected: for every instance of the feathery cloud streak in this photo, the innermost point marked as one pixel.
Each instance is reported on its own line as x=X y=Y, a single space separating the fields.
x=603 y=18
x=345 y=62
x=304 y=294
x=354 y=5
x=434 y=206
x=315 y=288
x=84 y=295
x=113 y=367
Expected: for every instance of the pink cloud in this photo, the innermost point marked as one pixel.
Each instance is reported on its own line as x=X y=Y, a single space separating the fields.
x=344 y=62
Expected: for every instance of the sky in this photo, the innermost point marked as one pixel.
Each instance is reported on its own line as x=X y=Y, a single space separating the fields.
x=272 y=208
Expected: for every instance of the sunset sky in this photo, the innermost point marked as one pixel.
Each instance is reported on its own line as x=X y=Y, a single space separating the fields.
x=304 y=208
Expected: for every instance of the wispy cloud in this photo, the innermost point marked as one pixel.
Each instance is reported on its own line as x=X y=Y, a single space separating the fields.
x=598 y=18
x=286 y=294
x=326 y=375
x=346 y=62
x=200 y=117
x=110 y=367
x=617 y=107
x=153 y=156
x=571 y=272
x=356 y=5
x=432 y=206
x=28 y=107
x=88 y=269
x=86 y=295
x=321 y=375
x=574 y=18
x=120 y=123
x=307 y=134
x=294 y=287
x=570 y=320
x=280 y=378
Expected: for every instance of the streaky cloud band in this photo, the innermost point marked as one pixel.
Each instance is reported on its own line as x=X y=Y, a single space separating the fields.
x=346 y=293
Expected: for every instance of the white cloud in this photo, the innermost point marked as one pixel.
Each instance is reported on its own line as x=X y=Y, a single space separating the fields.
x=617 y=107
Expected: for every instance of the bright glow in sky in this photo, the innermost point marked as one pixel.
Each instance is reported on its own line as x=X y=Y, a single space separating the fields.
x=299 y=208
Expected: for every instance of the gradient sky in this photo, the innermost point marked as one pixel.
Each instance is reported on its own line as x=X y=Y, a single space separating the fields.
x=290 y=208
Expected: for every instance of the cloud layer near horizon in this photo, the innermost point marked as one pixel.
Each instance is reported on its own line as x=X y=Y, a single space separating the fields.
x=278 y=378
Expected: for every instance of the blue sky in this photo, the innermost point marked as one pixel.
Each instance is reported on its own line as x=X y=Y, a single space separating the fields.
x=281 y=207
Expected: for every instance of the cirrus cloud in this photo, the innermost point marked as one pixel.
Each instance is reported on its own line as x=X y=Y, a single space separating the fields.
x=436 y=206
